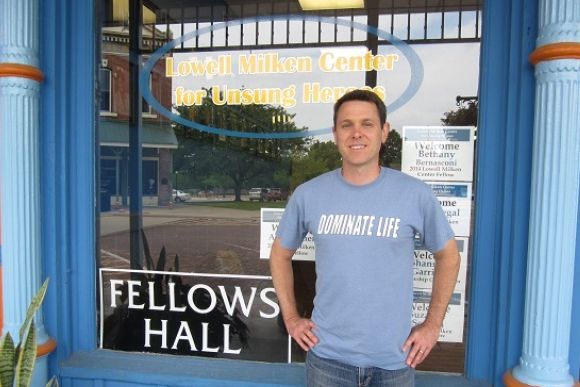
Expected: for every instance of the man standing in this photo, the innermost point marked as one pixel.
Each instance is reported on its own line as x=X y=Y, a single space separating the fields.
x=365 y=220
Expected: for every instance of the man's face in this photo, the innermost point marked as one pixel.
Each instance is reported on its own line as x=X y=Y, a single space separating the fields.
x=358 y=134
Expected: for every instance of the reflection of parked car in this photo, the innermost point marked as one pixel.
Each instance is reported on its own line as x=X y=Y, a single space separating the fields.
x=259 y=194
x=274 y=194
x=180 y=196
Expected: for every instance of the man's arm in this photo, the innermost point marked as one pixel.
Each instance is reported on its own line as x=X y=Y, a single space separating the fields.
x=283 y=276
x=424 y=336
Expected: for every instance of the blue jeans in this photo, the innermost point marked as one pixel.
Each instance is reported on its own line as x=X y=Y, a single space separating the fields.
x=331 y=373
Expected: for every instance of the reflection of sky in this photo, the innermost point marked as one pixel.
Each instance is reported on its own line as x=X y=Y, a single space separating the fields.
x=450 y=69
x=293 y=30
x=434 y=20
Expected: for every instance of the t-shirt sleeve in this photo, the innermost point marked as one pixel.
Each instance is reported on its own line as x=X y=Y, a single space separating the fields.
x=436 y=229
x=292 y=228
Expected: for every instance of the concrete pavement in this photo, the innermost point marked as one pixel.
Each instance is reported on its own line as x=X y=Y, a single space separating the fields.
x=116 y=221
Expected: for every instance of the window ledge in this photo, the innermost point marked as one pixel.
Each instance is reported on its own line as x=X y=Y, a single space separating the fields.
x=148 y=115
x=443 y=379
x=168 y=370
x=171 y=370
x=104 y=113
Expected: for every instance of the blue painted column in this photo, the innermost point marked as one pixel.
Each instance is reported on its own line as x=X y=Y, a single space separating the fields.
x=20 y=191
x=554 y=199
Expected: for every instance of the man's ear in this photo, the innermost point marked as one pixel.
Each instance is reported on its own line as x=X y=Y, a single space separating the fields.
x=386 y=128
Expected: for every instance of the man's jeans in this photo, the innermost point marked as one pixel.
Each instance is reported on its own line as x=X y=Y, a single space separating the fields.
x=331 y=373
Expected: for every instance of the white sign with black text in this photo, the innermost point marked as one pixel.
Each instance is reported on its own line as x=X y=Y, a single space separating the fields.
x=424 y=264
x=438 y=153
x=270 y=218
x=455 y=199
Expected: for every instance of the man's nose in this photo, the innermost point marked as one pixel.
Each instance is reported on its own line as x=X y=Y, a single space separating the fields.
x=356 y=133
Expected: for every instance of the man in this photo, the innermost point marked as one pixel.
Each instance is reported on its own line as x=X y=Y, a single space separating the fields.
x=365 y=220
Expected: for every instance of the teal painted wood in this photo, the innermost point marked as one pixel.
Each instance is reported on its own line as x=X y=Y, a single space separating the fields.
x=558 y=21
x=553 y=223
x=554 y=205
x=20 y=198
x=20 y=171
x=575 y=323
x=19 y=110
x=68 y=121
x=19 y=32
x=504 y=149
x=117 y=369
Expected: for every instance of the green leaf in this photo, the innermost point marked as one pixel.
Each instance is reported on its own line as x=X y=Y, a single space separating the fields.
x=176 y=263
x=33 y=307
x=161 y=260
x=26 y=357
x=7 y=353
x=158 y=277
x=147 y=252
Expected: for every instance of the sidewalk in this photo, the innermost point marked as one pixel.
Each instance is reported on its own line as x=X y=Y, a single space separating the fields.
x=116 y=221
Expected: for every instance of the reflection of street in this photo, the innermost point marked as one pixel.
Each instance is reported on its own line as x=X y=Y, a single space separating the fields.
x=225 y=246
x=206 y=239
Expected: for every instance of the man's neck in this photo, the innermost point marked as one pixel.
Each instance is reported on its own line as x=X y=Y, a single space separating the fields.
x=360 y=175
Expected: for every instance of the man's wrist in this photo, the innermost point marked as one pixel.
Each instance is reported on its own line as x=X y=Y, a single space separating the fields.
x=291 y=319
x=433 y=322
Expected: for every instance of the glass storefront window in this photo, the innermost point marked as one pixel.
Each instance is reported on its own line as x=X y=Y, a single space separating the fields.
x=238 y=113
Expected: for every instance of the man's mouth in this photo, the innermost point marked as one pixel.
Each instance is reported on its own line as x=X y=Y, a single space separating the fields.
x=357 y=146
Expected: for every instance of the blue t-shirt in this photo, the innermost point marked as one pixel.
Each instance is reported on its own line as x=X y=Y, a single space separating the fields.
x=364 y=238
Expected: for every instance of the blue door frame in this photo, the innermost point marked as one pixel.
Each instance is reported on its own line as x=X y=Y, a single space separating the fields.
x=69 y=52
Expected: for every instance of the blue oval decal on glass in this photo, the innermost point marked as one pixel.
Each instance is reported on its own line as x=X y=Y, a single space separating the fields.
x=412 y=88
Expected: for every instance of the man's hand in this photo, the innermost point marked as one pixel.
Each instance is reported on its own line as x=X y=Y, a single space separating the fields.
x=283 y=277
x=420 y=342
x=301 y=330
x=424 y=336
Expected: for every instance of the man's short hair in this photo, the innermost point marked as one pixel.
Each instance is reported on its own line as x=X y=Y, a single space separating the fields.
x=362 y=95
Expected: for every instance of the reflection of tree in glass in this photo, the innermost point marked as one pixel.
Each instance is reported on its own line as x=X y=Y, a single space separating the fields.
x=465 y=115
x=390 y=155
x=235 y=162
x=124 y=329
x=322 y=157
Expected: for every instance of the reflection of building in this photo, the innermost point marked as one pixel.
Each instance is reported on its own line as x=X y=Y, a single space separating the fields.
x=158 y=138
